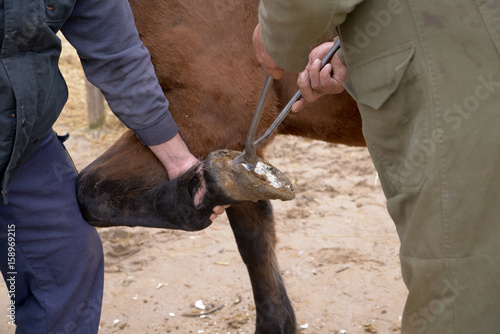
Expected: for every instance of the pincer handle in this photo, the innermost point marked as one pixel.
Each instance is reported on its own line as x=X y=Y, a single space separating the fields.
x=326 y=59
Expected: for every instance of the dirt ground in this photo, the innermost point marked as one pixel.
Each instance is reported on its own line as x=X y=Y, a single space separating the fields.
x=337 y=250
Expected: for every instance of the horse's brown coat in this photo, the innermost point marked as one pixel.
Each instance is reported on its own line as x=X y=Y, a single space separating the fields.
x=205 y=63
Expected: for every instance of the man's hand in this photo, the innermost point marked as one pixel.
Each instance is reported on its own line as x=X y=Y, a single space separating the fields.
x=265 y=60
x=177 y=159
x=315 y=82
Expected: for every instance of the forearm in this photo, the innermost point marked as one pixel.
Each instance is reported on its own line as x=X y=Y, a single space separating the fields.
x=289 y=28
x=114 y=60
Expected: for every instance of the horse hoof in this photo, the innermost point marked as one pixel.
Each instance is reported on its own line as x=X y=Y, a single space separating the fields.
x=262 y=183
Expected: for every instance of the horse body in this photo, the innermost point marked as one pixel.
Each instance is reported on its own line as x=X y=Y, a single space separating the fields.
x=205 y=63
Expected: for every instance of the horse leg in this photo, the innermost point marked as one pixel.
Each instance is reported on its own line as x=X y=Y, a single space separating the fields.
x=128 y=186
x=253 y=228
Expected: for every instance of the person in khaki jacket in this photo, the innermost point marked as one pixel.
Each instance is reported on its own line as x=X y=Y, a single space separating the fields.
x=426 y=76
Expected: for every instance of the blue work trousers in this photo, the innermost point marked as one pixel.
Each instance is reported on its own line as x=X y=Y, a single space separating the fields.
x=50 y=257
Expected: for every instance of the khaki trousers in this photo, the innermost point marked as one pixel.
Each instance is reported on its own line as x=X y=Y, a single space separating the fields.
x=426 y=75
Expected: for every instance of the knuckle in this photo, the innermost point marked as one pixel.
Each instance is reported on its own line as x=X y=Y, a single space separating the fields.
x=317 y=85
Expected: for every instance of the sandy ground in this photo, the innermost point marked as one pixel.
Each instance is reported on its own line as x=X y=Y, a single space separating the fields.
x=338 y=249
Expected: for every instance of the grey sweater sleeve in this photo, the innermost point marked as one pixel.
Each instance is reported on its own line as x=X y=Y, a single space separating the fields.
x=114 y=59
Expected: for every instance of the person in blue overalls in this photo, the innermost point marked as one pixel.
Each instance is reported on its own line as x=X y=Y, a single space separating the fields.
x=51 y=259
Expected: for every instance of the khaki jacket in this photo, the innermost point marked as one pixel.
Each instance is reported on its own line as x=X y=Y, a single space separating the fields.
x=291 y=27
x=426 y=76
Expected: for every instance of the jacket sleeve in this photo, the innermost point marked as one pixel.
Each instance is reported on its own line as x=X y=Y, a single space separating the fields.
x=289 y=28
x=114 y=59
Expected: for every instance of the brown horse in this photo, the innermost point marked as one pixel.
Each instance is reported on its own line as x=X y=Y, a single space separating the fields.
x=204 y=59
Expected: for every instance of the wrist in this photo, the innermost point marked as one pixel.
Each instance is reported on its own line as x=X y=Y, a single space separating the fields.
x=175 y=156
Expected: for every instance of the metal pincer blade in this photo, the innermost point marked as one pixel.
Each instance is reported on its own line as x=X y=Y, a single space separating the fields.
x=249 y=156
